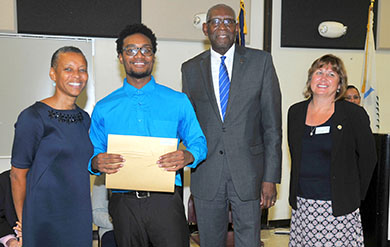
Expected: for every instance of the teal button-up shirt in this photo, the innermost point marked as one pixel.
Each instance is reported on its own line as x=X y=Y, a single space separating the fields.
x=154 y=110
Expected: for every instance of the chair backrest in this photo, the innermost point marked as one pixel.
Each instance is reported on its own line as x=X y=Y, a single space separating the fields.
x=191 y=211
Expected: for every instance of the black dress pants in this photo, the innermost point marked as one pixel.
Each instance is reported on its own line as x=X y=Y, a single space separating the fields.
x=158 y=220
x=108 y=239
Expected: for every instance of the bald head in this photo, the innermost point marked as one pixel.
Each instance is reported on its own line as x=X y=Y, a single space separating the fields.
x=221 y=28
x=220 y=6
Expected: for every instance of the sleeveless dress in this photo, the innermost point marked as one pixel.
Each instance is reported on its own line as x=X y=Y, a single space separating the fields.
x=54 y=145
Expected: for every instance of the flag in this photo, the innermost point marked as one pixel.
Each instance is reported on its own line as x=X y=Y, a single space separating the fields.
x=369 y=89
x=240 y=39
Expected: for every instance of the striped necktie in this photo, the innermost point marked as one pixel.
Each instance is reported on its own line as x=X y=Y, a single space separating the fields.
x=224 y=86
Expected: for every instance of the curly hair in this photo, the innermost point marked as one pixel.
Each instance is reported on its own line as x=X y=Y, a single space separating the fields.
x=133 y=29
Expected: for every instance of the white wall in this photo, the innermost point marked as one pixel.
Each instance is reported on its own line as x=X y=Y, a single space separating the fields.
x=4 y=164
x=8 y=16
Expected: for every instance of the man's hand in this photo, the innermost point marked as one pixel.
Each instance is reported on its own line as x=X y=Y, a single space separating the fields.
x=108 y=163
x=175 y=160
x=268 y=195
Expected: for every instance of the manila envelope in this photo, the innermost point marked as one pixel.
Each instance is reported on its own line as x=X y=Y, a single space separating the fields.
x=140 y=170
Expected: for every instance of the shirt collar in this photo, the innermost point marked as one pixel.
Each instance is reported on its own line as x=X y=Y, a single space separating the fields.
x=229 y=54
x=130 y=89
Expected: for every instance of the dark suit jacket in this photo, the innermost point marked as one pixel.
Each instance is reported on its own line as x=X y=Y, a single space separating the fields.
x=353 y=154
x=7 y=210
x=250 y=136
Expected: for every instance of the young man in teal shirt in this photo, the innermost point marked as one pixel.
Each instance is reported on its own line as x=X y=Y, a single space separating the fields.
x=143 y=107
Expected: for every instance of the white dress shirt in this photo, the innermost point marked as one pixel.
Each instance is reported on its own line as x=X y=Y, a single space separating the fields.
x=215 y=63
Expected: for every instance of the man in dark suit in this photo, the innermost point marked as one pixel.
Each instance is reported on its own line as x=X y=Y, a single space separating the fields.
x=243 y=131
x=7 y=212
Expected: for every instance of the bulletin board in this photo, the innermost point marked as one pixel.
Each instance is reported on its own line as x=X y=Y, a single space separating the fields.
x=300 y=20
x=92 y=18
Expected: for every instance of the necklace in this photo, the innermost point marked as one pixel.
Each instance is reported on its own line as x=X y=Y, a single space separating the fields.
x=312 y=130
x=66 y=118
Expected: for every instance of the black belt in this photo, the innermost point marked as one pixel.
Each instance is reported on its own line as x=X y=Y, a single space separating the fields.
x=139 y=194
x=142 y=194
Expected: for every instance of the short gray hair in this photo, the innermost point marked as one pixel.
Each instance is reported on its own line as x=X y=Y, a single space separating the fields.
x=219 y=6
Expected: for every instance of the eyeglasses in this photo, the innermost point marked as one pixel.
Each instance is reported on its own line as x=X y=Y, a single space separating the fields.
x=217 y=22
x=132 y=51
x=352 y=97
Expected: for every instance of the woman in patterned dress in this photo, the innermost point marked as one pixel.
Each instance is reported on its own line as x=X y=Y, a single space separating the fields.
x=333 y=157
x=50 y=154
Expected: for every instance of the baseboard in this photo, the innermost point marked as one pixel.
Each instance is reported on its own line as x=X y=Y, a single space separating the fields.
x=278 y=223
x=270 y=225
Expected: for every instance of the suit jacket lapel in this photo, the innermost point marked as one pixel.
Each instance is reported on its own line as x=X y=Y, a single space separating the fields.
x=299 y=130
x=238 y=73
x=205 y=66
x=337 y=129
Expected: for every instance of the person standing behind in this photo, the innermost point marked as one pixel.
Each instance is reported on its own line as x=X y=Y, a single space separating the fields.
x=333 y=157
x=143 y=107
x=8 y=217
x=352 y=95
x=235 y=93
x=100 y=215
x=50 y=154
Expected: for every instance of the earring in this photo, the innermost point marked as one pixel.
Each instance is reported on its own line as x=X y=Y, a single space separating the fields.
x=338 y=90
x=54 y=84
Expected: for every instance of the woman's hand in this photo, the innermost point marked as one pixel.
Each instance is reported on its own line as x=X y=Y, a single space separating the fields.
x=18 y=230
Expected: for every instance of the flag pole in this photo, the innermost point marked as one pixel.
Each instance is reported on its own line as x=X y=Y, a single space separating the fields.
x=369 y=88
x=240 y=39
x=370 y=9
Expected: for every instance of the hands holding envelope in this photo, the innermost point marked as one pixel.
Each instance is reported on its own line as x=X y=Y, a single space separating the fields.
x=176 y=160
x=111 y=163
x=108 y=163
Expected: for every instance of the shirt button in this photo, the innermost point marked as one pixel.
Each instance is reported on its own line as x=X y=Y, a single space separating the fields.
x=220 y=152
x=139 y=120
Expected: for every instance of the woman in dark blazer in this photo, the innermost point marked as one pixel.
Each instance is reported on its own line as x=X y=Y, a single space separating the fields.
x=332 y=160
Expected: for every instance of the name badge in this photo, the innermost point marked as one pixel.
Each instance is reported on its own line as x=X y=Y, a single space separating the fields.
x=322 y=130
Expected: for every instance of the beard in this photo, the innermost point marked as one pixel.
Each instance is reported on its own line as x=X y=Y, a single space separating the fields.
x=139 y=75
